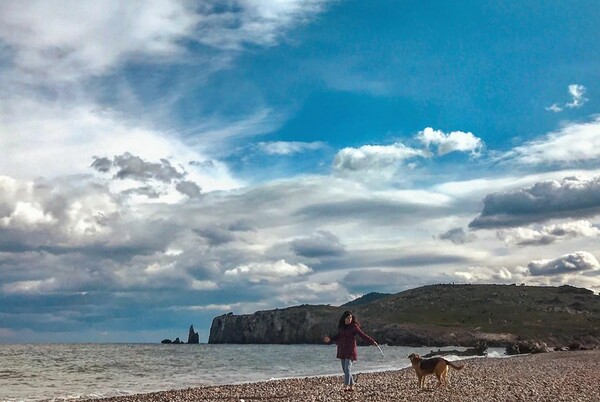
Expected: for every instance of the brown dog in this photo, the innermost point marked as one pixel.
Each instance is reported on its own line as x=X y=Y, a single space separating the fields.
x=436 y=365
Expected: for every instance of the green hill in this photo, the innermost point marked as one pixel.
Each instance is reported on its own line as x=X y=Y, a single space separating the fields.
x=435 y=315
x=368 y=298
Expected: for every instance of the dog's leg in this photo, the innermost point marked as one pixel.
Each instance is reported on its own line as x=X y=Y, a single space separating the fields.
x=439 y=373
x=440 y=379
x=445 y=375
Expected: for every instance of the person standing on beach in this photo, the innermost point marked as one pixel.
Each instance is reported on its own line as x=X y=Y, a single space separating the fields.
x=348 y=328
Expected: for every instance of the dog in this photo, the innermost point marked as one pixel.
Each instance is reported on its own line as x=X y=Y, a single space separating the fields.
x=436 y=365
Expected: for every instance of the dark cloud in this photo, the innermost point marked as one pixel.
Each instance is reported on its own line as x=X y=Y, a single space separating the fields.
x=188 y=188
x=102 y=165
x=242 y=226
x=216 y=236
x=129 y=166
x=320 y=244
x=457 y=236
x=208 y=164
x=388 y=258
x=576 y=262
x=134 y=167
x=570 y=198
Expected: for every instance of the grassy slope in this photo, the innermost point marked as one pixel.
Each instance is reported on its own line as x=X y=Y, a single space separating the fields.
x=526 y=311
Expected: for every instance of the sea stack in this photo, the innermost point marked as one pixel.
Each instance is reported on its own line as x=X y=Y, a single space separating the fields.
x=193 y=337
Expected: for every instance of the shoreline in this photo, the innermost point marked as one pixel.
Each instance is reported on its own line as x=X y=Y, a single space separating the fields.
x=563 y=376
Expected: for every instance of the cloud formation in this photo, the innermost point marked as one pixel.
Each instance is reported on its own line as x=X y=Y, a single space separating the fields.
x=241 y=22
x=577 y=262
x=289 y=147
x=128 y=166
x=573 y=143
x=548 y=234
x=69 y=41
x=321 y=244
x=578 y=99
x=267 y=271
x=374 y=157
x=457 y=236
x=455 y=141
x=571 y=197
x=73 y=40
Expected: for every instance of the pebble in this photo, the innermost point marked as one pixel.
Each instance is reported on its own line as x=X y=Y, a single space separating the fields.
x=555 y=376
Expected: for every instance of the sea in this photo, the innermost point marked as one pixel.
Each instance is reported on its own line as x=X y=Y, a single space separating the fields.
x=57 y=372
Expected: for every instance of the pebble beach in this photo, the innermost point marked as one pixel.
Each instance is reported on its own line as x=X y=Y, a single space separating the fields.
x=555 y=376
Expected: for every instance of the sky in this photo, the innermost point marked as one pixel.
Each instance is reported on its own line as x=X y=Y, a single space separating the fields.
x=165 y=162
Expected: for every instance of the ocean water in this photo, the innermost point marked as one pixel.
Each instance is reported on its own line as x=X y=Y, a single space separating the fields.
x=53 y=372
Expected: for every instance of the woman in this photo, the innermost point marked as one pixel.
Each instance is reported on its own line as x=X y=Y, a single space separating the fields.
x=348 y=328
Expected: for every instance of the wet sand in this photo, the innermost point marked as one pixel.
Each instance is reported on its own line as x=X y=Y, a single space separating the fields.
x=556 y=376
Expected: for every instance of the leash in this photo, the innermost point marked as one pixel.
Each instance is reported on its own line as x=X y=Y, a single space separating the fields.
x=386 y=359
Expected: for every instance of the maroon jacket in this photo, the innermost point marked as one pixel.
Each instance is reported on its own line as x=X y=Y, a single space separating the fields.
x=346 y=341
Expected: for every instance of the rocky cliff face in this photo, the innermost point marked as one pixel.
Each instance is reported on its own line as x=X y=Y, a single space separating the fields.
x=303 y=324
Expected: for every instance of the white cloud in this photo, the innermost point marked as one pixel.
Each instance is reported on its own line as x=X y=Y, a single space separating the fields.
x=578 y=99
x=575 y=142
x=31 y=287
x=492 y=274
x=549 y=234
x=289 y=147
x=373 y=157
x=39 y=139
x=204 y=285
x=253 y=21
x=271 y=272
x=451 y=142
x=554 y=108
x=69 y=40
x=212 y=307
x=576 y=262
x=576 y=91
x=26 y=214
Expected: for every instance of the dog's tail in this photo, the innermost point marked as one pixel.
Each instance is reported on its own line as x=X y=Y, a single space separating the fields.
x=455 y=366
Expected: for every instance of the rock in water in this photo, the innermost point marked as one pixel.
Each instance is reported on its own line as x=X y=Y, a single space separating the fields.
x=193 y=337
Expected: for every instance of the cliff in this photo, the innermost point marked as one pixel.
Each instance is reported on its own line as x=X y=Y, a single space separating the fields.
x=301 y=324
x=435 y=315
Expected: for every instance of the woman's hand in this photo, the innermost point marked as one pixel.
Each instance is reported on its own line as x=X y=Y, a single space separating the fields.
x=326 y=339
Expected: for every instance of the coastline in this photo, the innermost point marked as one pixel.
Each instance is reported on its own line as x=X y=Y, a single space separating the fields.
x=556 y=376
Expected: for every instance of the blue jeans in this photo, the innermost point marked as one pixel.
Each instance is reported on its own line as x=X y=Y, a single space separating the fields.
x=347 y=367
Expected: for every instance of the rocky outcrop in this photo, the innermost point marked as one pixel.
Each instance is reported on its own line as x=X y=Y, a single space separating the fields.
x=480 y=349
x=523 y=347
x=193 y=337
x=303 y=324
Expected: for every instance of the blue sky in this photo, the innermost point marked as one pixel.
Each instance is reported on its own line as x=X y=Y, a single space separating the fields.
x=167 y=162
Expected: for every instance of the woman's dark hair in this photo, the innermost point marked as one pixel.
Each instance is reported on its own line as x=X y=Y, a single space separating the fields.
x=342 y=322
